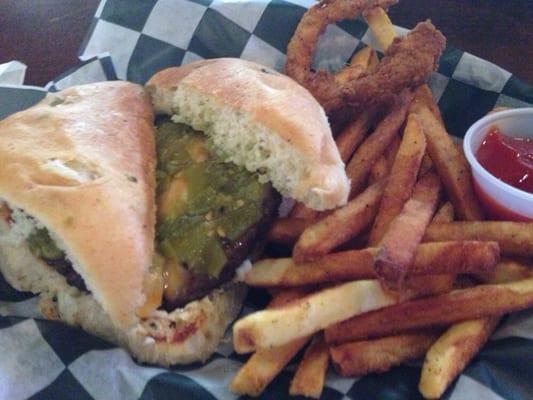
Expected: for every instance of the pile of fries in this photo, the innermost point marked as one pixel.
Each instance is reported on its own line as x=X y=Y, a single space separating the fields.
x=410 y=281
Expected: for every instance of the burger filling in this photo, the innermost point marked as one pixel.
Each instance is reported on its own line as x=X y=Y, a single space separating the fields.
x=209 y=215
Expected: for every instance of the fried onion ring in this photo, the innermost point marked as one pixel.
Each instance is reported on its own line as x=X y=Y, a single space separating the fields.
x=407 y=63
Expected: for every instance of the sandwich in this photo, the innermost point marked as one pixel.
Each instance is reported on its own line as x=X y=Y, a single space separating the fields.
x=128 y=209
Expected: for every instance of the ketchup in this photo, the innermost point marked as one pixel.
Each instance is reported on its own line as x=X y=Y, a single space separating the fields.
x=509 y=159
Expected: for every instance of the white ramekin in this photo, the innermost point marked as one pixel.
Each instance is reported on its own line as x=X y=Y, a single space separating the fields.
x=517 y=123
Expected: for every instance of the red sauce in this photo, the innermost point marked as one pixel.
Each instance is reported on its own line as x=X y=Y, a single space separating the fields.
x=509 y=159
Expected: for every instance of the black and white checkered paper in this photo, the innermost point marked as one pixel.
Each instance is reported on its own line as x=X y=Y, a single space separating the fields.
x=132 y=39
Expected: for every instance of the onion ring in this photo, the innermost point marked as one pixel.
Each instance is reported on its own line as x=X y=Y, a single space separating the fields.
x=407 y=63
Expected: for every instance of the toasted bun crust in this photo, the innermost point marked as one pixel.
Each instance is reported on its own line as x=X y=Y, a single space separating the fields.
x=262 y=120
x=81 y=162
x=183 y=336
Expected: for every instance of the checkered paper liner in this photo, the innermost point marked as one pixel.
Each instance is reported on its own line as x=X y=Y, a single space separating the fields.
x=132 y=39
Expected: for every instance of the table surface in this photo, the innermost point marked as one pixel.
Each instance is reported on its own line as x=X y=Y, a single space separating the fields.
x=46 y=34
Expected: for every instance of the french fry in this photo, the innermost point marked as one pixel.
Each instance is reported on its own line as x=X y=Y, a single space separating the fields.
x=398 y=247
x=379 y=171
x=309 y=378
x=381 y=26
x=444 y=214
x=376 y=143
x=363 y=57
x=340 y=226
x=424 y=98
x=301 y=211
x=450 y=165
x=402 y=178
x=352 y=136
x=269 y=328
x=265 y=364
x=358 y=64
x=391 y=151
x=379 y=355
x=514 y=238
x=349 y=73
x=431 y=258
x=458 y=305
x=507 y=271
x=449 y=355
x=287 y=230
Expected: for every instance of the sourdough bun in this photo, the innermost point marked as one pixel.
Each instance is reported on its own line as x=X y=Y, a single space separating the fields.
x=81 y=163
x=259 y=119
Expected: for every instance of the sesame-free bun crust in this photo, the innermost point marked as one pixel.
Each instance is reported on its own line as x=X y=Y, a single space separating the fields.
x=259 y=119
x=81 y=162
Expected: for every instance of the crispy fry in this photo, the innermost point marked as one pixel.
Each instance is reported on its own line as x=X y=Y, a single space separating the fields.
x=402 y=178
x=507 y=271
x=379 y=171
x=424 y=98
x=454 y=173
x=381 y=26
x=303 y=212
x=309 y=377
x=363 y=57
x=449 y=355
x=265 y=364
x=514 y=238
x=458 y=305
x=374 y=146
x=268 y=328
x=345 y=75
x=391 y=151
x=354 y=133
x=398 y=247
x=444 y=214
x=287 y=230
x=431 y=258
x=379 y=355
x=340 y=226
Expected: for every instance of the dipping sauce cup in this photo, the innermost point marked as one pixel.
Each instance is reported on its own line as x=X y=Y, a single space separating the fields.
x=501 y=200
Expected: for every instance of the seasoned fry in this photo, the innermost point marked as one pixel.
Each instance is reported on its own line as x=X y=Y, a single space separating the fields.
x=424 y=98
x=309 y=377
x=507 y=271
x=359 y=63
x=265 y=364
x=514 y=238
x=402 y=178
x=454 y=173
x=380 y=355
x=354 y=133
x=398 y=247
x=302 y=212
x=444 y=214
x=379 y=171
x=431 y=258
x=391 y=151
x=268 y=328
x=345 y=75
x=381 y=26
x=458 y=305
x=287 y=230
x=340 y=226
x=449 y=355
x=364 y=57
x=374 y=146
